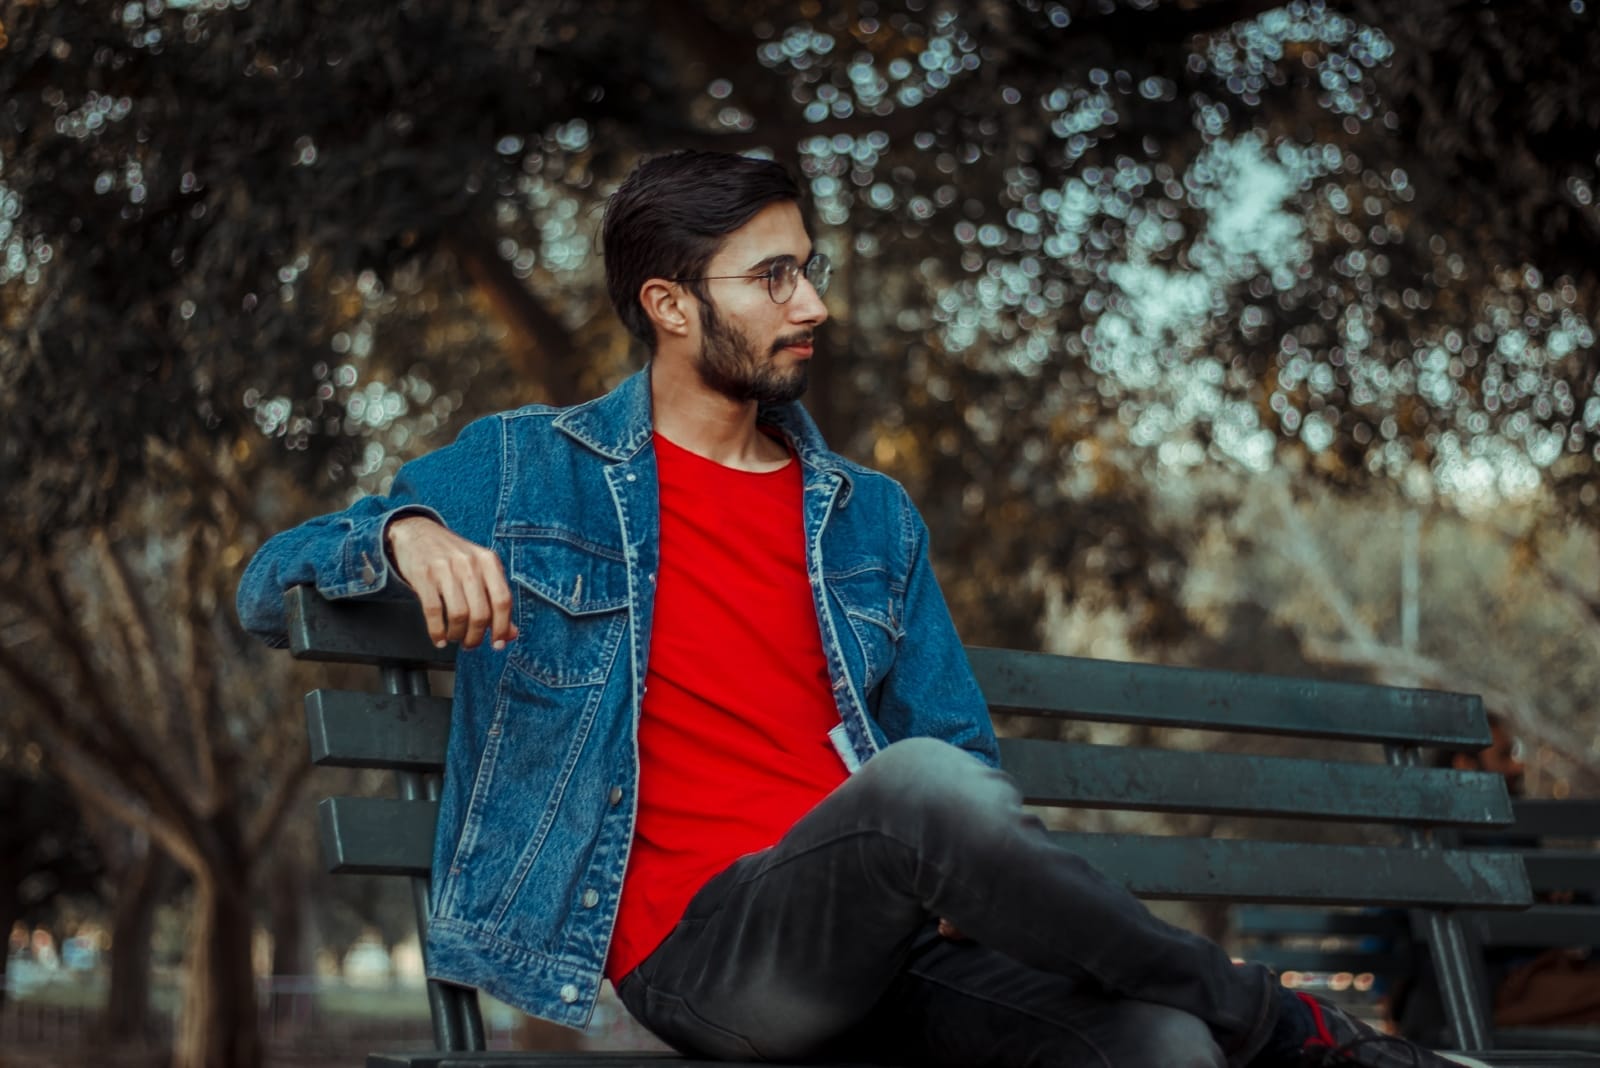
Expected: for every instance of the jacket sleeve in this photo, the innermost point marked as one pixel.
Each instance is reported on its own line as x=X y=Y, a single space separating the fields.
x=930 y=689
x=342 y=553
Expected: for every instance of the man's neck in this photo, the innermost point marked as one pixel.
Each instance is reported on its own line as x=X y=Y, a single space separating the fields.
x=695 y=417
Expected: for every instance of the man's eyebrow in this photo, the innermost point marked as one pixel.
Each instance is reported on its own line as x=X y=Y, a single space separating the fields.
x=766 y=264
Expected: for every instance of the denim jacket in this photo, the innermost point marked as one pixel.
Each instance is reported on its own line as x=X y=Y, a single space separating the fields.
x=537 y=811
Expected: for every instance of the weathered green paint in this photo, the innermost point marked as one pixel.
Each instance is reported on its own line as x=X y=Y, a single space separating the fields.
x=1222 y=869
x=407 y=730
x=353 y=729
x=360 y=632
x=377 y=835
x=1111 y=691
x=1164 y=780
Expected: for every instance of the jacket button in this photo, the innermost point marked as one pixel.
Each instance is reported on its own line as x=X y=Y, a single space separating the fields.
x=591 y=898
x=569 y=993
x=615 y=796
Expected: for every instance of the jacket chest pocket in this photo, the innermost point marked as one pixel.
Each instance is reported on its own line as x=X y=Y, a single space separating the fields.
x=571 y=604
x=873 y=605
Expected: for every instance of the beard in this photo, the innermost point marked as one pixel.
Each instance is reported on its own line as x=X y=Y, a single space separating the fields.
x=728 y=363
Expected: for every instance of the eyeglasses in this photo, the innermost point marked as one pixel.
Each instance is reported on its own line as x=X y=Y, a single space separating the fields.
x=783 y=277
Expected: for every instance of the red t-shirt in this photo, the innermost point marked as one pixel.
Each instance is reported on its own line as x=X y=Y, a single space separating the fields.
x=733 y=737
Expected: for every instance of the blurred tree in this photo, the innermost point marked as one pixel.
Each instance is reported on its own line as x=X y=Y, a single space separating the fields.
x=45 y=854
x=152 y=705
x=1085 y=248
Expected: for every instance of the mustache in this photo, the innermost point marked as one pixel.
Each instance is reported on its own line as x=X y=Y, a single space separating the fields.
x=803 y=338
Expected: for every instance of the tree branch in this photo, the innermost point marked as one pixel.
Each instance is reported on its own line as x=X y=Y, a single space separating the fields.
x=123 y=751
x=89 y=765
x=1305 y=552
x=212 y=747
x=289 y=772
x=136 y=626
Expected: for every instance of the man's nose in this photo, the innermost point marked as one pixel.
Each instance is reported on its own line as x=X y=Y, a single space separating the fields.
x=806 y=306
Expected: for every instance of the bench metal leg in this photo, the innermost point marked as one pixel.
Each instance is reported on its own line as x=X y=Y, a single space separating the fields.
x=457 y=1017
x=1454 y=955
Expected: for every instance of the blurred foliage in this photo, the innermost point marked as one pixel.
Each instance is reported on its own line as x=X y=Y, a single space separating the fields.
x=1082 y=244
x=1103 y=265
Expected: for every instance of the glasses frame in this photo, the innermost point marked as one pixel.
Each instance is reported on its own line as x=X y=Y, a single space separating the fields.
x=817 y=261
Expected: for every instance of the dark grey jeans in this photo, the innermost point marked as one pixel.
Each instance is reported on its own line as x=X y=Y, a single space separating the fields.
x=823 y=947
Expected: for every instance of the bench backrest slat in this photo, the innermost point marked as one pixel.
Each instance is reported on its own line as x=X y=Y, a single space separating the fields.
x=1112 y=691
x=360 y=632
x=1021 y=682
x=1166 y=780
x=393 y=837
x=353 y=729
x=1570 y=818
x=1251 y=870
x=377 y=835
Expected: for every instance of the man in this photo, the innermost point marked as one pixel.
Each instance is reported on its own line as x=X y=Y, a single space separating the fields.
x=716 y=737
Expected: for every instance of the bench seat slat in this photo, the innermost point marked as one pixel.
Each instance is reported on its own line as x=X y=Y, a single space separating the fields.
x=387 y=836
x=352 y=729
x=1166 y=780
x=1562 y=869
x=1318 y=923
x=1550 y=818
x=1542 y=925
x=1110 y=691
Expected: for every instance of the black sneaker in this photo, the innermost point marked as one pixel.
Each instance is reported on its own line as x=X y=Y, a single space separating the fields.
x=1341 y=1041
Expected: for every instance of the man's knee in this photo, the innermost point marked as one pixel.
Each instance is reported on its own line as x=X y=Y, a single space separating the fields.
x=927 y=771
x=1155 y=1036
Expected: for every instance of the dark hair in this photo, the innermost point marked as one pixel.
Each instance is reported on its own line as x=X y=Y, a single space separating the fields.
x=670 y=216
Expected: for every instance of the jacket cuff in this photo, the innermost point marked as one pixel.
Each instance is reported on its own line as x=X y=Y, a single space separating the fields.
x=368 y=571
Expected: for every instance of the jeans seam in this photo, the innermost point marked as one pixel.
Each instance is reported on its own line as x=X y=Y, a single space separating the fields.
x=1018 y=1009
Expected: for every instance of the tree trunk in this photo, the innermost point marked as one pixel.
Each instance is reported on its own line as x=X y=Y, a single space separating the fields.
x=290 y=1004
x=145 y=883
x=219 y=1026
x=10 y=913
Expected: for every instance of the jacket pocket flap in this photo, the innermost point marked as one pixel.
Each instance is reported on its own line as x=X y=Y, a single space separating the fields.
x=578 y=580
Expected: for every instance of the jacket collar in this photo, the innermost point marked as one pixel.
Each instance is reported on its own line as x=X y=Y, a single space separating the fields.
x=618 y=424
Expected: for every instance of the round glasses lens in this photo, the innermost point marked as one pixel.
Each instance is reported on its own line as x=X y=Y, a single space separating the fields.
x=819 y=271
x=782 y=281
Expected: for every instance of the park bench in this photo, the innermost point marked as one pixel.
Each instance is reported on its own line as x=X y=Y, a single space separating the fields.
x=1401 y=803
x=1559 y=841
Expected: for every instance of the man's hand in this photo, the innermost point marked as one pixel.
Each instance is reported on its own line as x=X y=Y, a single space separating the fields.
x=461 y=585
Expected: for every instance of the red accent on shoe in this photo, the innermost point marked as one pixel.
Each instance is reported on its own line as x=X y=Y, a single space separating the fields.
x=1323 y=1039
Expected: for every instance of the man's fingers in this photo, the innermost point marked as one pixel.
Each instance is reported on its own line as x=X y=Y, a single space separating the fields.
x=502 y=628
x=432 y=611
x=477 y=604
x=461 y=586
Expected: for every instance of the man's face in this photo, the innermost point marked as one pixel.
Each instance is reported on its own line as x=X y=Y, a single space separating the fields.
x=752 y=348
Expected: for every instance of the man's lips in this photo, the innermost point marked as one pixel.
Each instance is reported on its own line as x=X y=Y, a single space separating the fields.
x=800 y=346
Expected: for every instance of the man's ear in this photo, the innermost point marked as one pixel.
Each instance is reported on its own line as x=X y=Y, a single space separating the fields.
x=666 y=303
